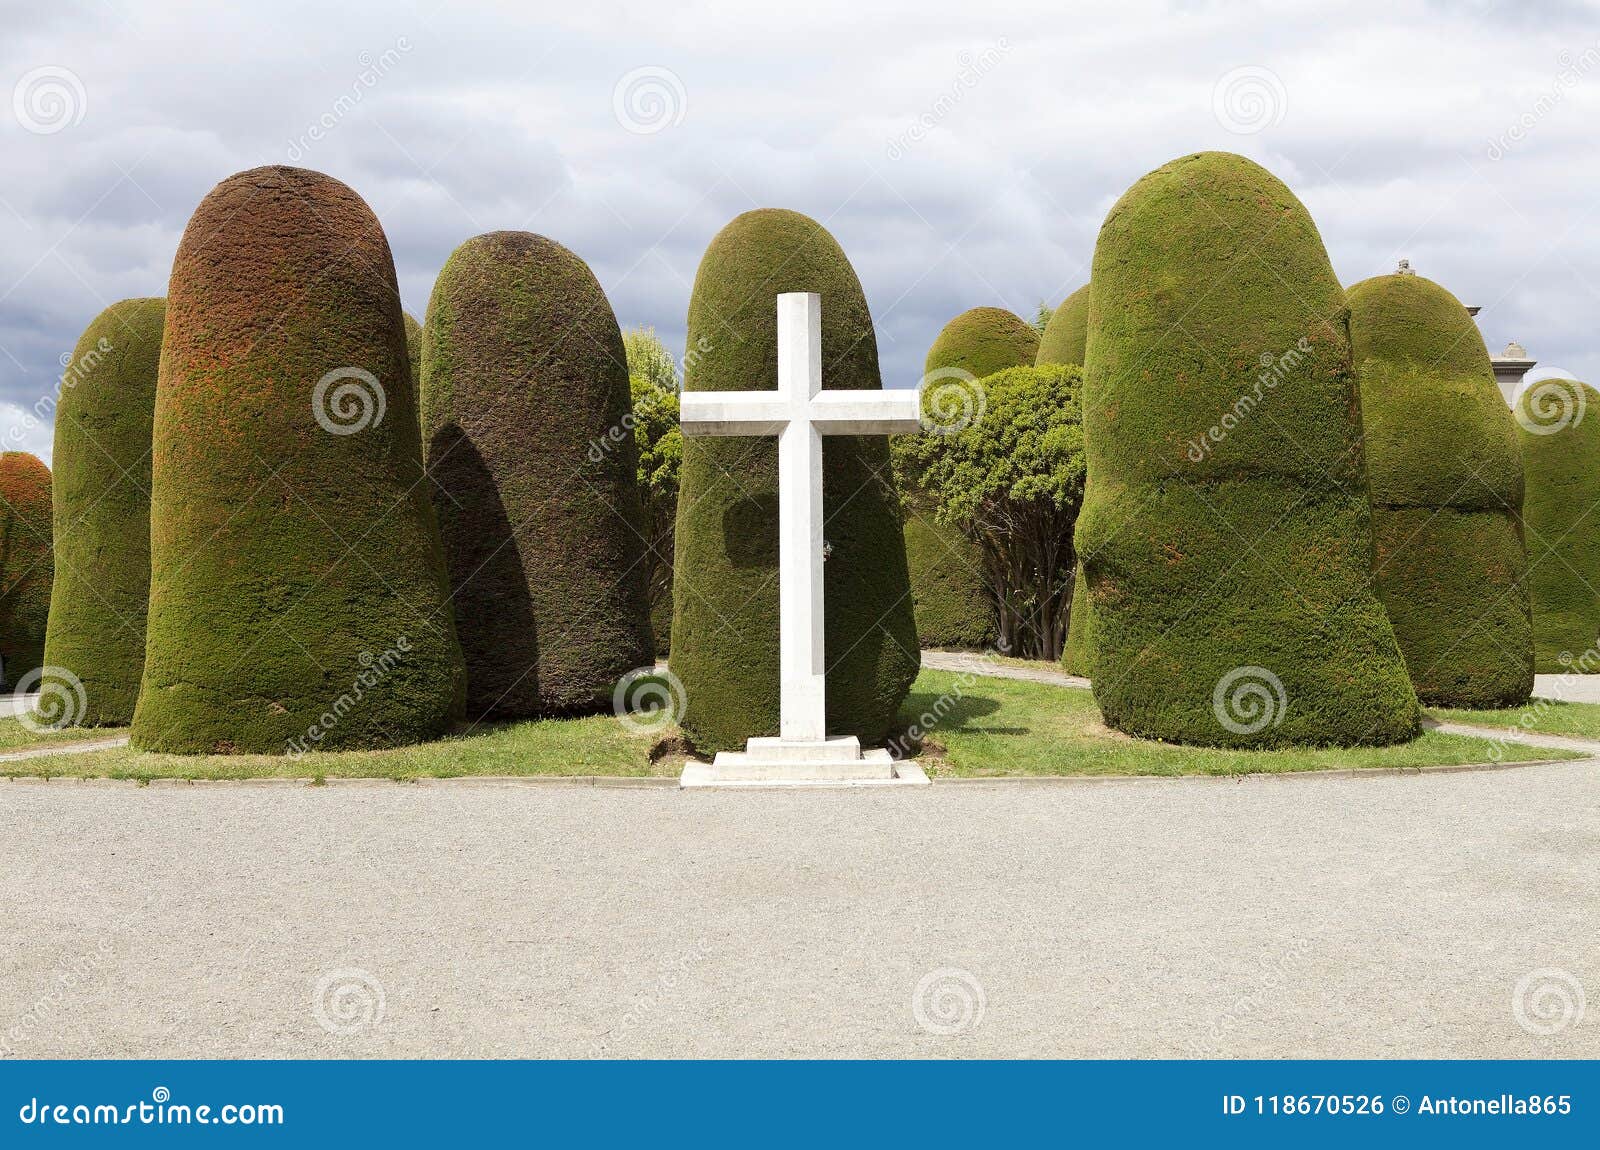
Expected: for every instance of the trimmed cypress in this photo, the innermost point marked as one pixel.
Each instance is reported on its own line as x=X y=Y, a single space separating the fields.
x=725 y=587
x=27 y=562
x=525 y=389
x=1446 y=480
x=102 y=509
x=1230 y=573
x=297 y=591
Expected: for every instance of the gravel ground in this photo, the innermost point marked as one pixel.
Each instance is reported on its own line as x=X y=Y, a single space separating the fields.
x=1391 y=916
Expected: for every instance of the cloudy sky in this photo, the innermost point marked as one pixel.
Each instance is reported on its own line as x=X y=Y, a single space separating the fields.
x=963 y=154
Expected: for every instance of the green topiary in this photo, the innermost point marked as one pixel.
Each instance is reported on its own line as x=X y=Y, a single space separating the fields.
x=297 y=590
x=1067 y=334
x=1446 y=482
x=725 y=587
x=981 y=342
x=414 y=352
x=946 y=569
x=26 y=564
x=1065 y=340
x=525 y=390
x=102 y=509
x=1226 y=535
x=1559 y=429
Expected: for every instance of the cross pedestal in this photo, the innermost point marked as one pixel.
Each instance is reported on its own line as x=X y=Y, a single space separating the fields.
x=800 y=413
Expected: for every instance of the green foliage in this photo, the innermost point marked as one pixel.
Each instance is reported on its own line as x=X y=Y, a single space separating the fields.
x=1226 y=534
x=951 y=597
x=525 y=410
x=1066 y=337
x=1012 y=480
x=1041 y=317
x=1446 y=481
x=296 y=582
x=653 y=380
x=1077 y=653
x=26 y=563
x=102 y=509
x=981 y=342
x=1559 y=429
x=414 y=354
x=725 y=588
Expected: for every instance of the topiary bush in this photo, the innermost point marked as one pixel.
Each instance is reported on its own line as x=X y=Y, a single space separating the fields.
x=297 y=591
x=725 y=587
x=1226 y=535
x=947 y=587
x=27 y=563
x=1067 y=334
x=102 y=509
x=414 y=352
x=1558 y=423
x=983 y=341
x=1066 y=337
x=525 y=390
x=1446 y=480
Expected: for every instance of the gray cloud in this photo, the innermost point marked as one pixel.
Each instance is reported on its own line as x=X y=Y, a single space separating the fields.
x=962 y=154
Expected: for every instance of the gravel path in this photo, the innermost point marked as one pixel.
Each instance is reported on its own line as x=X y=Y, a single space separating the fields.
x=1270 y=917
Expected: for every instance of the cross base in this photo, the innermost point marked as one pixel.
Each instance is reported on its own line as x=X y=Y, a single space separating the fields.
x=802 y=762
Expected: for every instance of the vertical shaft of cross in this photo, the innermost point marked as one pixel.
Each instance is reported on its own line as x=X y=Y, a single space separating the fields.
x=803 y=707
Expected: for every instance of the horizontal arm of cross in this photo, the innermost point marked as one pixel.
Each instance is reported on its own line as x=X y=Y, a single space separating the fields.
x=732 y=412
x=866 y=412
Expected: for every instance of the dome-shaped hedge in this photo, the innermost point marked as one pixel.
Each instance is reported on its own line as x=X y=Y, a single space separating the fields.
x=946 y=568
x=1064 y=340
x=525 y=388
x=1067 y=333
x=982 y=341
x=102 y=509
x=1446 y=481
x=297 y=591
x=1230 y=573
x=414 y=351
x=1558 y=423
x=725 y=586
x=26 y=563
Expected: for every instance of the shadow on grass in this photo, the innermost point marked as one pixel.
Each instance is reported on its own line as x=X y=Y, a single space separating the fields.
x=933 y=712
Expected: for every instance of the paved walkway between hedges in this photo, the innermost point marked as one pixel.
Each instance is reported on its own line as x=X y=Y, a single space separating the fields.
x=1401 y=916
x=1568 y=688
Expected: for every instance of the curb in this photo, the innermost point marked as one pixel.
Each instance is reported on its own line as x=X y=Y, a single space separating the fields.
x=645 y=782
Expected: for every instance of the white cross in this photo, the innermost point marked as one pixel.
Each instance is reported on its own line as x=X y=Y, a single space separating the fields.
x=800 y=413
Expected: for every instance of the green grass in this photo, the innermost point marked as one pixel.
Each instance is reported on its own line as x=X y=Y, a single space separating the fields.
x=1540 y=717
x=982 y=726
x=15 y=737
x=991 y=727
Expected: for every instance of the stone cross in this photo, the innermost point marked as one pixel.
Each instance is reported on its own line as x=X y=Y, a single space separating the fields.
x=800 y=413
